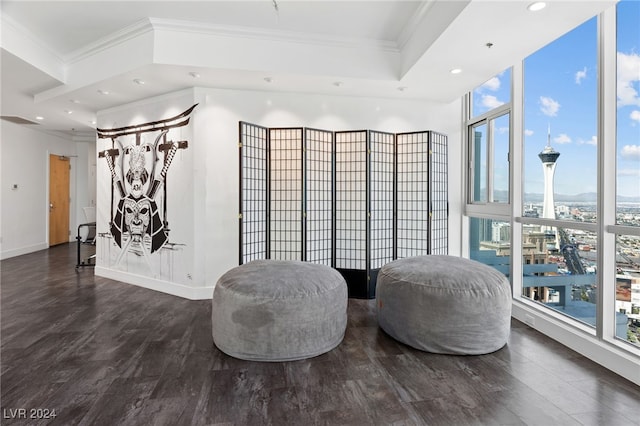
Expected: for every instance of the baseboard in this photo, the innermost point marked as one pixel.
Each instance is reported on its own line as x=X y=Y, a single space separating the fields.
x=7 y=254
x=604 y=353
x=186 y=292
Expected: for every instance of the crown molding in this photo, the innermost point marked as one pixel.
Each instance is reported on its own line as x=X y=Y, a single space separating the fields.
x=272 y=35
x=19 y=41
x=414 y=23
x=135 y=30
x=156 y=24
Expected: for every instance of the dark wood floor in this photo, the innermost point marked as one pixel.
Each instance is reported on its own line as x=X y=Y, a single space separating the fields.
x=100 y=352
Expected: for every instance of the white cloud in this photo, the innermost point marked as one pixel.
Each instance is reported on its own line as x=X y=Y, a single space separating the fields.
x=492 y=84
x=628 y=78
x=627 y=95
x=502 y=130
x=593 y=141
x=630 y=152
x=629 y=172
x=490 y=101
x=581 y=75
x=549 y=106
x=635 y=115
x=528 y=132
x=562 y=138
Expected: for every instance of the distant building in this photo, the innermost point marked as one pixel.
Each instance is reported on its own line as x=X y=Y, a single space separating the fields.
x=563 y=212
x=628 y=294
x=530 y=212
x=548 y=156
x=500 y=232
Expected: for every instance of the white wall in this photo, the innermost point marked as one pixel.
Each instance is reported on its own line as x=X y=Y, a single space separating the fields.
x=25 y=162
x=204 y=206
x=85 y=188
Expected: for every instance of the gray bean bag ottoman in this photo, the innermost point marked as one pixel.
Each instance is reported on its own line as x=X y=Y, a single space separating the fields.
x=271 y=310
x=444 y=304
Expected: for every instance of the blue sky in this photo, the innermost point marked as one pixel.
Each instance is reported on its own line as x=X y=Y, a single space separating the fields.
x=561 y=94
x=628 y=157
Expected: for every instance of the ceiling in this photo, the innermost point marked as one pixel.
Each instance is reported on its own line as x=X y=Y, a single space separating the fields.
x=60 y=58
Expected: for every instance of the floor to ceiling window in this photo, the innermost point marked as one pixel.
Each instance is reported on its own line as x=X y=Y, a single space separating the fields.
x=627 y=289
x=488 y=197
x=560 y=179
x=567 y=219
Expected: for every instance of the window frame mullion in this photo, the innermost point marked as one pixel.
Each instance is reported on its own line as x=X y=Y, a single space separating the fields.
x=607 y=206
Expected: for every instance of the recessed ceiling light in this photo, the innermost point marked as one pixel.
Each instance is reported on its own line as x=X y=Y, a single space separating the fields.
x=536 y=6
x=74 y=101
x=194 y=74
x=268 y=79
x=39 y=117
x=138 y=81
x=103 y=92
x=338 y=84
x=456 y=71
x=68 y=111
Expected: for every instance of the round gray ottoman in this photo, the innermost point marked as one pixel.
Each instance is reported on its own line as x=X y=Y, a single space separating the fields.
x=272 y=310
x=444 y=304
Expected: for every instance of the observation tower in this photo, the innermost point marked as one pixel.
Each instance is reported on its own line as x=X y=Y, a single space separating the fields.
x=548 y=156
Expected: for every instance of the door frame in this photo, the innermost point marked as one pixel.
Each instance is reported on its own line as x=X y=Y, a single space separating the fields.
x=73 y=223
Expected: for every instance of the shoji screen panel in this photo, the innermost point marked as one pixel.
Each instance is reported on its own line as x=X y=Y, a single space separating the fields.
x=285 y=194
x=412 y=214
x=254 y=178
x=351 y=200
x=381 y=195
x=319 y=196
x=438 y=192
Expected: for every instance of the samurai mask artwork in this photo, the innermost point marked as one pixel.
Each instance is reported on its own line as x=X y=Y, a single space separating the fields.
x=137 y=221
x=137 y=215
x=138 y=218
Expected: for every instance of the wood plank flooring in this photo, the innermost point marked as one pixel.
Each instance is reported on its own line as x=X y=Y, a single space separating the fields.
x=100 y=352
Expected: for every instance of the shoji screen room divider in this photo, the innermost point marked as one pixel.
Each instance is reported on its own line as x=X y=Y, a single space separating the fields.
x=352 y=200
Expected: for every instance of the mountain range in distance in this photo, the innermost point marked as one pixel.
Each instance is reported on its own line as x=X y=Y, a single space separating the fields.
x=586 y=197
